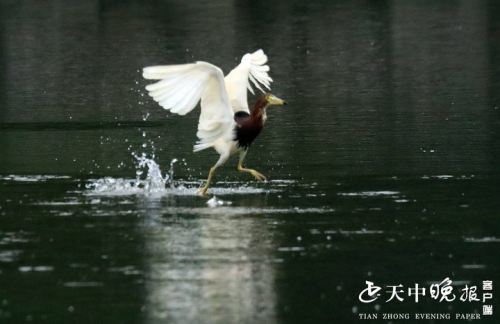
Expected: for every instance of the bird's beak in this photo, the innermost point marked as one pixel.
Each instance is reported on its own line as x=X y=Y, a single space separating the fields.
x=275 y=101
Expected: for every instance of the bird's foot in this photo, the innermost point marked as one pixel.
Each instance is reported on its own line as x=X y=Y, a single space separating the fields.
x=258 y=176
x=202 y=191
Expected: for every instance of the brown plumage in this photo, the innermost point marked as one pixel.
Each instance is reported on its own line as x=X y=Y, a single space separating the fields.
x=249 y=126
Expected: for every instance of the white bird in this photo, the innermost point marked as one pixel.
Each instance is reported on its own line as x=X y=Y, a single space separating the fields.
x=225 y=123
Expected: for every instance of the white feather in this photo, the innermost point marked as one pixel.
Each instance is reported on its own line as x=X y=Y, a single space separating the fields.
x=180 y=89
x=252 y=68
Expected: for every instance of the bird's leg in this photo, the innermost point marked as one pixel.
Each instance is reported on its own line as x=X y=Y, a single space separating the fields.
x=222 y=159
x=203 y=190
x=259 y=176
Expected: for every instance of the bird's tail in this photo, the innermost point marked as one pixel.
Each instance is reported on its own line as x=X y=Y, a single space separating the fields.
x=201 y=146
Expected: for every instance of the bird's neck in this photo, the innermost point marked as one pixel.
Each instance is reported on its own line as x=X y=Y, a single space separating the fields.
x=259 y=110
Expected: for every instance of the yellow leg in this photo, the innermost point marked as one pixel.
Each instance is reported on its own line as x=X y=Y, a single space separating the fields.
x=222 y=159
x=259 y=176
x=203 y=190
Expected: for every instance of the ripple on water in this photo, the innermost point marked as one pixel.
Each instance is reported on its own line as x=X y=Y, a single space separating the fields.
x=59 y=203
x=13 y=238
x=129 y=270
x=40 y=268
x=291 y=249
x=241 y=211
x=9 y=255
x=448 y=177
x=473 y=266
x=439 y=177
x=10 y=242
x=82 y=284
x=487 y=239
x=362 y=231
x=369 y=193
x=33 y=178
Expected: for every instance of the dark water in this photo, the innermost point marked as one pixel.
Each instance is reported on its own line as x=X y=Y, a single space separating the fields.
x=383 y=167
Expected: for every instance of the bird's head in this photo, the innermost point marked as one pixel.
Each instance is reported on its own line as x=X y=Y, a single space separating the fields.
x=260 y=107
x=272 y=100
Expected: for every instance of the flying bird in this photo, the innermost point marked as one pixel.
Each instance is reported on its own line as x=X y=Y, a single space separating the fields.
x=225 y=124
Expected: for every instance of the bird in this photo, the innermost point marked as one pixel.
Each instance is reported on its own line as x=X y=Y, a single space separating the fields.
x=226 y=123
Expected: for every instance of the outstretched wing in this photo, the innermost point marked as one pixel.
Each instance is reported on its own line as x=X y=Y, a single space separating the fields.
x=252 y=68
x=180 y=89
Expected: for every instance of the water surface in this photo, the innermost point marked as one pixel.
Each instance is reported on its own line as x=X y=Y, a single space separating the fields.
x=384 y=166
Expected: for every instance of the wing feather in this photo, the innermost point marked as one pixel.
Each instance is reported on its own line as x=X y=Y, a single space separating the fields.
x=181 y=87
x=251 y=70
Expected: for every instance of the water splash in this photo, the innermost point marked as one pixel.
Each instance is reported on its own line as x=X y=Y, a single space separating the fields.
x=171 y=172
x=215 y=202
x=149 y=180
x=154 y=180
